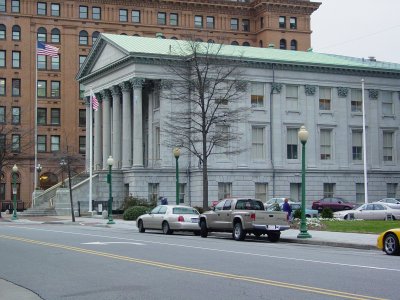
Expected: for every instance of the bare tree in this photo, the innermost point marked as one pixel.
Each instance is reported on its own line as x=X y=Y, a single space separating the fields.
x=206 y=103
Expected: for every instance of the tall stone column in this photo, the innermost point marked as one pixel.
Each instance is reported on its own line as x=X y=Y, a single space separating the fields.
x=117 y=126
x=127 y=125
x=97 y=155
x=137 y=84
x=106 y=95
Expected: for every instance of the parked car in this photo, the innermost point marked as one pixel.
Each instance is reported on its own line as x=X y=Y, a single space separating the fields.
x=370 y=211
x=334 y=203
x=278 y=201
x=388 y=241
x=170 y=218
x=392 y=202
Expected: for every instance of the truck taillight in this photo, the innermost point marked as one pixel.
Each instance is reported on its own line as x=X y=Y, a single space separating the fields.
x=253 y=217
x=181 y=219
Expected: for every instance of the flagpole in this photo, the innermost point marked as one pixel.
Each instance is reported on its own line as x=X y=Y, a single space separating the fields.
x=90 y=148
x=36 y=129
x=364 y=144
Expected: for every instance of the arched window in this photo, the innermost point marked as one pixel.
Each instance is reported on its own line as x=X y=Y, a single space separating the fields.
x=83 y=37
x=123 y=33
x=95 y=35
x=210 y=41
x=174 y=38
x=282 y=44
x=42 y=35
x=235 y=43
x=16 y=33
x=246 y=44
x=136 y=34
x=55 y=36
x=293 y=45
x=260 y=43
x=199 y=40
x=2 y=32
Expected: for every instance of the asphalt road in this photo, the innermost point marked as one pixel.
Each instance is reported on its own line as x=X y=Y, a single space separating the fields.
x=85 y=262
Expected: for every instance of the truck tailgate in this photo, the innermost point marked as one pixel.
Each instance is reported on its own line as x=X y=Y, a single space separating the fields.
x=271 y=218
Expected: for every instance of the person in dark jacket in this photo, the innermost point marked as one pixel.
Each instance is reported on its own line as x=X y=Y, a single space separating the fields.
x=164 y=201
x=286 y=207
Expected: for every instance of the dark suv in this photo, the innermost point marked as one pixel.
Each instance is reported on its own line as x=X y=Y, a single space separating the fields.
x=334 y=203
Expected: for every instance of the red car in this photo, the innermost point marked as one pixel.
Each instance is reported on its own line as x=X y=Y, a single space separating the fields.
x=334 y=203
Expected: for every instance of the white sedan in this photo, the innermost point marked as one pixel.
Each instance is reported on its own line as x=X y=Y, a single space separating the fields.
x=370 y=211
x=391 y=202
x=170 y=218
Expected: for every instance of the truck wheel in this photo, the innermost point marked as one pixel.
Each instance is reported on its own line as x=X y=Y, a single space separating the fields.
x=203 y=229
x=274 y=236
x=238 y=233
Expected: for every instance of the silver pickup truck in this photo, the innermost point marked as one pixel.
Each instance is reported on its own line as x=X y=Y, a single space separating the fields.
x=242 y=216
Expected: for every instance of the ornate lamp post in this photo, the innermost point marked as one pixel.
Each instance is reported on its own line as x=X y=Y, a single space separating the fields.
x=303 y=136
x=63 y=163
x=14 y=175
x=177 y=153
x=38 y=170
x=110 y=162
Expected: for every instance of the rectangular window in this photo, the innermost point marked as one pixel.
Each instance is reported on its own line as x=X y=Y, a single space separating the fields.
x=82 y=118
x=42 y=116
x=234 y=24
x=135 y=16
x=198 y=21
x=15 y=143
x=224 y=190
x=356 y=100
x=41 y=62
x=2 y=142
x=292 y=143
x=55 y=143
x=325 y=95
x=16 y=87
x=387 y=103
x=182 y=192
x=258 y=143
x=356 y=149
x=325 y=144
x=2 y=32
x=161 y=18
x=2 y=191
x=360 y=193
x=16 y=59
x=55 y=89
x=41 y=143
x=2 y=114
x=42 y=88
x=55 y=9
x=83 y=12
x=15 y=6
x=293 y=23
x=55 y=62
x=257 y=94
x=246 y=25
x=82 y=144
x=282 y=22
x=391 y=190
x=2 y=86
x=2 y=58
x=81 y=59
x=16 y=34
x=173 y=19
x=210 y=22
x=96 y=13
x=153 y=192
x=3 y=8
x=16 y=115
x=157 y=143
x=55 y=116
x=295 y=191
x=292 y=97
x=261 y=22
x=261 y=191
x=123 y=15
x=387 y=146
x=81 y=91
x=42 y=8
x=329 y=190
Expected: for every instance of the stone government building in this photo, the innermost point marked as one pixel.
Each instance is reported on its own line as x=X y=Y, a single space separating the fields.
x=286 y=89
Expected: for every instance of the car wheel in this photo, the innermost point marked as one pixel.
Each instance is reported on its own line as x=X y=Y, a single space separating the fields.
x=166 y=229
x=141 y=227
x=391 y=244
x=203 y=229
x=308 y=216
x=346 y=217
x=274 y=236
x=238 y=233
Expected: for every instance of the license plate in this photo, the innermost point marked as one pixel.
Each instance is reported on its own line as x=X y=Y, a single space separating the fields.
x=273 y=227
x=195 y=220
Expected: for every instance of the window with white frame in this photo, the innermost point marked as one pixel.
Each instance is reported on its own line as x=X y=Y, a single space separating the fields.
x=257 y=94
x=157 y=143
x=329 y=190
x=15 y=143
x=292 y=143
x=388 y=146
x=387 y=103
x=325 y=98
x=356 y=148
x=391 y=190
x=326 y=144
x=261 y=190
x=292 y=97
x=182 y=192
x=258 y=143
x=360 y=193
x=295 y=191
x=356 y=100
x=41 y=143
x=54 y=143
x=224 y=190
x=153 y=192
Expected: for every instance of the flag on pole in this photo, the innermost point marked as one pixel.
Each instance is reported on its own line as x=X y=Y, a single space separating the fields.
x=45 y=49
x=95 y=102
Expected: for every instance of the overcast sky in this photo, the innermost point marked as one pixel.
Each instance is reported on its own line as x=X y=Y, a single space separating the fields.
x=358 y=28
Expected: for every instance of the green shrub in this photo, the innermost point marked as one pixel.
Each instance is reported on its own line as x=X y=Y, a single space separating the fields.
x=297 y=214
x=132 y=213
x=133 y=201
x=275 y=207
x=327 y=213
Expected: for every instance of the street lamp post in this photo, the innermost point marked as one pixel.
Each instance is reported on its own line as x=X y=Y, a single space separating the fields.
x=14 y=175
x=177 y=153
x=110 y=162
x=303 y=136
x=63 y=163
x=38 y=169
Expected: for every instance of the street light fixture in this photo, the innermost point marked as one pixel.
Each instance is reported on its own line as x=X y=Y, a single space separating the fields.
x=38 y=169
x=177 y=153
x=303 y=137
x=110 y=162
x=14 y=175
x=63 y=163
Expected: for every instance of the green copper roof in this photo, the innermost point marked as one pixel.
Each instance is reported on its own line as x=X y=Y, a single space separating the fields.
x=168 y=47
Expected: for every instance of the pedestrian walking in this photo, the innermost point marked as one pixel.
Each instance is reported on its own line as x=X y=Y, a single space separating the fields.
x=286 y=208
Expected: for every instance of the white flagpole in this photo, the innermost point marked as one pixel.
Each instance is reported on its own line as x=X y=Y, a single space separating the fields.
x=90 y=147
x=36 y=129
x=364 y=144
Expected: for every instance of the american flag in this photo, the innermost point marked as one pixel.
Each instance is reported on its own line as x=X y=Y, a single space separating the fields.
x=95 y=102
x=44 y=49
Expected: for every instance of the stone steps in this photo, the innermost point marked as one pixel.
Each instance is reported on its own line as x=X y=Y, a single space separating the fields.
x=37 y=211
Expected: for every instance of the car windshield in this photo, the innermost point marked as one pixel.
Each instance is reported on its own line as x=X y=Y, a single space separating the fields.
x=295 y=206
x=184 y=211
x=249 y=204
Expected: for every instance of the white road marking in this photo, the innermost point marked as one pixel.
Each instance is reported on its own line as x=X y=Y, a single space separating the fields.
x=108 y=243
x=216 y=250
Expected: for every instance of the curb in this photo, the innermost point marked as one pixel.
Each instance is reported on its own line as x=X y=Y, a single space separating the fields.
x=330 y=244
